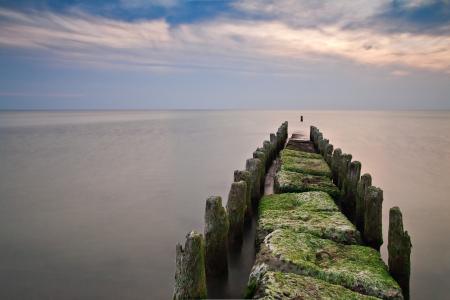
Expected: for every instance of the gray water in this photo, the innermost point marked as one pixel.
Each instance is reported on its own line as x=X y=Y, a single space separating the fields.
x=92 y=203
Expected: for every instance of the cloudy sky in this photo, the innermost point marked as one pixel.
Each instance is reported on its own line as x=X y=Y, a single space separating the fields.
x=208 y=54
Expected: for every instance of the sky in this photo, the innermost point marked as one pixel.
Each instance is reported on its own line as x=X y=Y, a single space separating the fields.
x=211 y=54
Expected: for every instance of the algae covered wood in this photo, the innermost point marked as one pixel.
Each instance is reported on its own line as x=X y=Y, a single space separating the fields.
x=247 y=177
x=363 y=184
x=343 y=168
x=299 y=154
x=335 y=162
x=190 y=279
x=328 y=154
x=236 y=209
x=373 y=233
x=350 y=186
x=276 y=285
x=254 y=165
x=357 y=268
x=262 y=157
x=216 y=231
x=292 y=182
x=305 y=165
x=399 y=248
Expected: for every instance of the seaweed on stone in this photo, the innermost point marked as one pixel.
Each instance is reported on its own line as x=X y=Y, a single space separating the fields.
x=300 y=154
x=357 y=268
x=275 y=285
x=305 y=165
x=291 y=182
x=313 y=201
x=329 y=225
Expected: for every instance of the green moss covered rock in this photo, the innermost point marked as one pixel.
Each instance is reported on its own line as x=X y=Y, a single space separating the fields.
x=275 y=285
x=312 y=201
x=357 y=268
x=292 y=182
x=305 y=165
x=300 y=154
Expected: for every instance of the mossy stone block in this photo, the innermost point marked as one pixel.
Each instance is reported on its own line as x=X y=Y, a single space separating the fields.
x=312 y=201
x=292 y=182
x=329 y=225
x=305 y=165
x=300 y=154
x=356 y=268
x=276 y=285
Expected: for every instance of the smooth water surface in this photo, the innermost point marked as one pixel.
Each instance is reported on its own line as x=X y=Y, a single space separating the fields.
x=92 y=203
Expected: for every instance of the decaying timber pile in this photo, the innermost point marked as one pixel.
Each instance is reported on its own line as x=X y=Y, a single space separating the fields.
x=308 y=249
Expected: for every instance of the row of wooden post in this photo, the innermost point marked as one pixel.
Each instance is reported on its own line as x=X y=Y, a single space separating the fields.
x=224 y=226
x=365 y=201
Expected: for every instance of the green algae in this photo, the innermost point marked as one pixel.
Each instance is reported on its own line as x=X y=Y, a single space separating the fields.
x=312 y=201
x=291 y=182
x=357 y=268
x=330 y=225
x=300 y=154
x=190 y=278
x=275 y=285
x=305 y=165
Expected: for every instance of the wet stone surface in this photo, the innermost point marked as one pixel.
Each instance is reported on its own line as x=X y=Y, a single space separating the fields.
x=275 y=285
x=356 y=268
x=291 y=182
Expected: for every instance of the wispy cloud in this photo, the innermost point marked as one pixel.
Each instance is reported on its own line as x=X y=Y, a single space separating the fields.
x=285 y=34
x=41 y=95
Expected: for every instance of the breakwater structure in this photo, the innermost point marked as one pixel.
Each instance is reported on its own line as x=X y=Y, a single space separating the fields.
x=318 y=236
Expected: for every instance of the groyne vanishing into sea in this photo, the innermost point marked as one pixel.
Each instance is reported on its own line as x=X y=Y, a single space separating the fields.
x=318 y=236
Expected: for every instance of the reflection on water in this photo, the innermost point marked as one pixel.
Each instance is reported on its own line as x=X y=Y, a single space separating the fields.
x=93 y=203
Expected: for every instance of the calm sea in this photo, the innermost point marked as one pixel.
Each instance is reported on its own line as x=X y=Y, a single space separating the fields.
x=92 y=203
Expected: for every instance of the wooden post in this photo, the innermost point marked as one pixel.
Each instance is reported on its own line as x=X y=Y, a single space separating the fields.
x=328 y=154
x=260 y=155
x=254 y=165
x=363 y=184
x=216 y=232
x=350 y=186
x=399 y=248
x=343 y=169
x=335 y=162
x=373 y=233
x=236 y=210
x=190 y=279
x=301 y=118
x=247 y=177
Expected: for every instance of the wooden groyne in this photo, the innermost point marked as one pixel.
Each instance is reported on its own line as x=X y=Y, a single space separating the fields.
x=306 y=246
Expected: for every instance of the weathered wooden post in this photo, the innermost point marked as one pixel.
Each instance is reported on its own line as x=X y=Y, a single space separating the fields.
x=273 y=143
x=247 y=177
x=335 y=162
x=399 y=248
x=350 y=186
x=190 y=280
x=312 y=132
x=343 y=169
x=328 y=154
x=301 y=118
x=216 y=232
x=373 y=233
x=319 y=141
x=323 y=146
x=254 y=165
x=363 y=184
x=260 y=155
x=268 y=147
x=236 y=210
